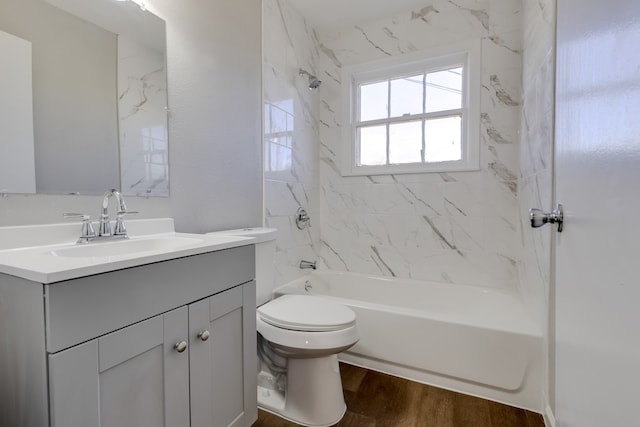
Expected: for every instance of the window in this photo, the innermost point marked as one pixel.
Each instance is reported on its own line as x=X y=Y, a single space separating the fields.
x=413 y=113
x=278 y=136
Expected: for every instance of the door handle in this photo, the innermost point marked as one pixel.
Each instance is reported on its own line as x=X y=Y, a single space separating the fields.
x=539 y=218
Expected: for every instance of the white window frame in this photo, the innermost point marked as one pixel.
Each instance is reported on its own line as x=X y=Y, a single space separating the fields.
x=466 y=54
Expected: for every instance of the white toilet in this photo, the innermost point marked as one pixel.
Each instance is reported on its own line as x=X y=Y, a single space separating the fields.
x=299 y=337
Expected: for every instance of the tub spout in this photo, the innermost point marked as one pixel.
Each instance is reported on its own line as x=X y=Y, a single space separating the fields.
x=308 y=264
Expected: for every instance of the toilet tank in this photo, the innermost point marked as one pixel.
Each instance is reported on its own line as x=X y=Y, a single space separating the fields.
x=265 y=252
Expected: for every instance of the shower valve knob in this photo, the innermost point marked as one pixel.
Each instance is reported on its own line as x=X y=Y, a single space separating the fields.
x=538 y=218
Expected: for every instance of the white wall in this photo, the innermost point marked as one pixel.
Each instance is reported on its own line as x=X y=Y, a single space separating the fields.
x=536 y=169
x=214 y=73
x=451 y=227
x=291 y=134
x=214 y=70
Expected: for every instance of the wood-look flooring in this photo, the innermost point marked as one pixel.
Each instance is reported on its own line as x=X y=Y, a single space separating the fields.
x=379 y=400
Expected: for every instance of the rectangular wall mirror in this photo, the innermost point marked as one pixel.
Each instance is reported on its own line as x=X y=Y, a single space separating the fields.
x=87 y=109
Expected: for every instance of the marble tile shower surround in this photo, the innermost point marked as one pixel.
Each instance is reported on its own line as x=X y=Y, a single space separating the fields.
x=536 y=172
x=536 y=155
x=453 y=227
x=291 y=136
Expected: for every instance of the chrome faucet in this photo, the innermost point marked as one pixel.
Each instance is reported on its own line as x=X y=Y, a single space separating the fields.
x=105 y=226
x=308 y=264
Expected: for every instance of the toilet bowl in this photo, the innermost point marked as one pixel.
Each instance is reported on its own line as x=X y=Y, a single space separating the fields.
x=307 y=333
x=299 y=337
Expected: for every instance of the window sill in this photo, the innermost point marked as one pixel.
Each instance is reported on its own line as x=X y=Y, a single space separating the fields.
x=410 y=169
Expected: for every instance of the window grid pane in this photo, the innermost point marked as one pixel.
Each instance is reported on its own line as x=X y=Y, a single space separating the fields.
x=401 y=129
x=372 y=145
x=444 y=139
x=444 y=90
x=423 y=150
x=374 y=101
x=406 y=95
x=405 y=143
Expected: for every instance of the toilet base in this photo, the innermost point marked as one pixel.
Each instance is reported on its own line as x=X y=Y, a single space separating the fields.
x=313 y=393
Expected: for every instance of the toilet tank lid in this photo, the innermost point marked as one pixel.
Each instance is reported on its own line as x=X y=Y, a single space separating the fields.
x=261 y=234
x=307 y=313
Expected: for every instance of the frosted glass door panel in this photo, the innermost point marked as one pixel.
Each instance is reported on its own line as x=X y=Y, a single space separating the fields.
x=17 y=161
x=596 y=155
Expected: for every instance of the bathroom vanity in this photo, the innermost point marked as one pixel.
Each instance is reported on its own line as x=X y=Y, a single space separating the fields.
x=159 y=335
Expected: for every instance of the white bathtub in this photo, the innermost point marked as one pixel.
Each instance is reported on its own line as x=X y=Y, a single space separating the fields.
x=474 y=340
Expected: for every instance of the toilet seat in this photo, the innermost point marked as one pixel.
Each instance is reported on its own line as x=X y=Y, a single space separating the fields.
x=306 y=313
x=303 y=326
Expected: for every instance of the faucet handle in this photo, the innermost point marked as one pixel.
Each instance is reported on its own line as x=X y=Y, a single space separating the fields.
x=73 y=215
x=123 y=213
x=303 y=220
x=87 y=232
x=121 y=229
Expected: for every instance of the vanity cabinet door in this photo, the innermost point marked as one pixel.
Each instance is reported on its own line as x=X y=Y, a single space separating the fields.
x=222 y=338
x=133 y=377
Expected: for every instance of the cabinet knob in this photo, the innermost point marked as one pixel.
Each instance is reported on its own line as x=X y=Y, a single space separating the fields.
x=204 y=335
x=180 y=347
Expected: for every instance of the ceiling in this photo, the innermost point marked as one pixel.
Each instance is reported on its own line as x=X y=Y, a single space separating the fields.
x=329 y=15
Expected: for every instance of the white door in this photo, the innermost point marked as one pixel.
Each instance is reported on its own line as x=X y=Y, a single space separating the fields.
x=597 y=167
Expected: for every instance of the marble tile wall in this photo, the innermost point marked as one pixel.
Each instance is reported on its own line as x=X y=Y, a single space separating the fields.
x=142 y=111
x=536 y=155
x=536 y=170
x=453 y=227
x=291 y=137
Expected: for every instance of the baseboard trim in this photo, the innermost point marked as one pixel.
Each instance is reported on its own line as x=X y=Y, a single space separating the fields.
x=549 y=418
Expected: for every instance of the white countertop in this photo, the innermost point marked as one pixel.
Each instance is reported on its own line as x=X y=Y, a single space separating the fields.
x=33 y=252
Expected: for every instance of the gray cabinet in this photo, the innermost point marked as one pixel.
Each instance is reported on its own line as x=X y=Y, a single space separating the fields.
x=169 y=344
x=131 y=377
x=220 y=371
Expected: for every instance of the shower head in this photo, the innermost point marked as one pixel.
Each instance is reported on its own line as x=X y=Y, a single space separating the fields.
x=314 y=82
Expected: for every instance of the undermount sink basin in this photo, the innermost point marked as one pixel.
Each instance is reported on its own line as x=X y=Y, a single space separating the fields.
x=124 y=247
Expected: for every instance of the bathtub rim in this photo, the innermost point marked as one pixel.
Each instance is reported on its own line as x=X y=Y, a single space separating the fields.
x=526 y=324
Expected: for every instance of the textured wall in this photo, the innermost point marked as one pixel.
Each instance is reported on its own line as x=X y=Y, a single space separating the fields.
x=214 y=73
x=291 y=135
x=536 y=170
x=452 y=227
